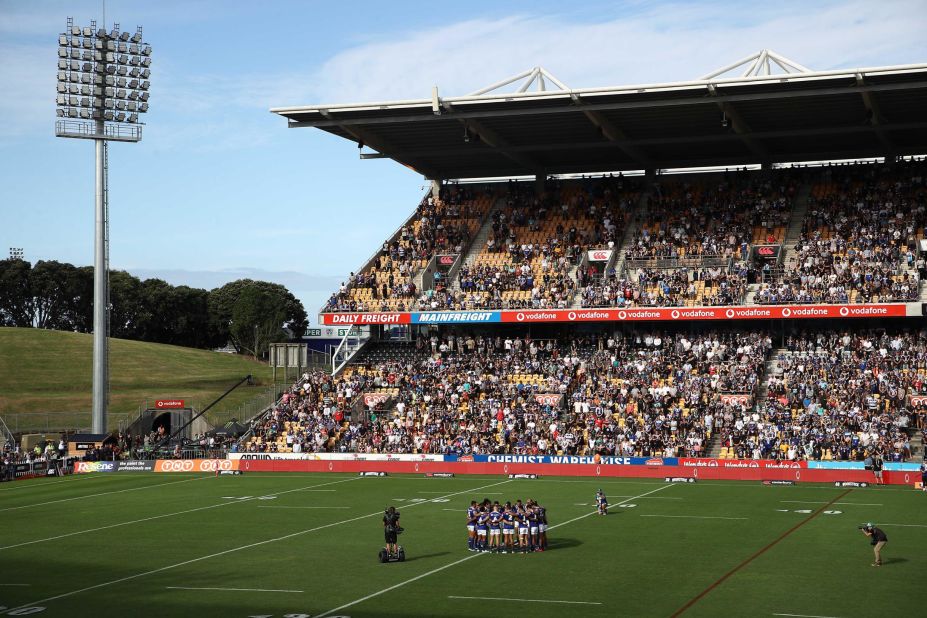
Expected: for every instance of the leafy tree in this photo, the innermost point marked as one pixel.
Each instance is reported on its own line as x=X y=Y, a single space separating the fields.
x=16 y=306
x=255 y=313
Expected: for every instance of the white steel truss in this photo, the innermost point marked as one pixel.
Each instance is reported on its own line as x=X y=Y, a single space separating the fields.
x=538 y=75
x=759 y=64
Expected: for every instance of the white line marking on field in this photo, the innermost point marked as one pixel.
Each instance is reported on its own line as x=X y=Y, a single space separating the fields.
x=231 y=589
x=451 y=564
x=527 y=600
x=906 y=525
x=460 y=510
x=693 y=517
x=491 y=493
x=15 y=584
x=236 y=549
x=105 y=493
x=825 y=502
x=72 y=479
x=153 y=517
x=302 y=507
x=804 y=616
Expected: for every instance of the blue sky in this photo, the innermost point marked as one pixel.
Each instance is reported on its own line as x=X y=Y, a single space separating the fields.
x=219 y=188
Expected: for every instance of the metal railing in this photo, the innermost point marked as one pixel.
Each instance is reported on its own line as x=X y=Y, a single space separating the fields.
x=665 y=263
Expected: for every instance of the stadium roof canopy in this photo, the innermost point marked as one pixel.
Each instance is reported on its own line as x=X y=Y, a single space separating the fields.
x=754 y=118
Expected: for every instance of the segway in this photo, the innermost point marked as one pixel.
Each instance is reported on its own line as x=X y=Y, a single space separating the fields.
x=399 y=556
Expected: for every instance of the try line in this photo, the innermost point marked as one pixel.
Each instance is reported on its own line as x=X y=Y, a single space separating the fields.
x=527 y=600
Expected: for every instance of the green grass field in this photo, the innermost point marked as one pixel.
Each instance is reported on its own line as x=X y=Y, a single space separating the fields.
x=43 y=371
x=306 y=545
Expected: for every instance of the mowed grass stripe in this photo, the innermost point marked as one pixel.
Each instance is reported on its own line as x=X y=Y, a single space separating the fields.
x=237 y=549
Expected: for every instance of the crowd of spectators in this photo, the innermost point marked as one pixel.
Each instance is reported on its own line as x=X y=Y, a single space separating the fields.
x=837 y=395
x=672 y=287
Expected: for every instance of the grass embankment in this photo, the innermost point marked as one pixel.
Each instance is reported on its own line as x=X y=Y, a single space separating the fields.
x=43 y=371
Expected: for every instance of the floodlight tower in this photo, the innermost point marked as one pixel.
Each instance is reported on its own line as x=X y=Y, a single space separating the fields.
x=102 y=91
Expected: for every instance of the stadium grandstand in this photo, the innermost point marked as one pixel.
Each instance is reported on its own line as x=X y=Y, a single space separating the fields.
x=731 y=267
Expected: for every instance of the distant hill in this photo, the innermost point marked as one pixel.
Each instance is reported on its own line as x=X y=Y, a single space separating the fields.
x=50 y=371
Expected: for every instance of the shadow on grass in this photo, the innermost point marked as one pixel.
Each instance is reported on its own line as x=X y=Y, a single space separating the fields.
x=422 y=557
x=894 y=561
x=563 y=543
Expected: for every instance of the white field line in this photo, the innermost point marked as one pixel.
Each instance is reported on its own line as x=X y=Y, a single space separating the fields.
x=24 y=585
x=71 y=479
x=262 y=506
x=233 y=550
x=154 y=517
x=693 y=517
x=527 y=600
x=804 y=616
x=104 y=493
x=451 y=564
x=231 y=589
x=825 y=502
x=906 y=525
x=491 y=493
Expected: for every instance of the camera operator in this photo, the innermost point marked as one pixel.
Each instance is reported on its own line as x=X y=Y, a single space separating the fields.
x=877 y=539
x=391 y=529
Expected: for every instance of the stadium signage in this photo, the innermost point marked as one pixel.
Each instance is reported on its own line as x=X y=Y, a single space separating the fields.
x=765 y=464
x=523 y=476
x=599 y=255
x=679 y=479
x=918 y=400
x=169 y=404
x=84 y=467
x=735 y=399
x=440 y=475
x=655 y=314
x=374 y=399
x=338 y=456
x=548 y=399
x=194 y=465
x=577 y=459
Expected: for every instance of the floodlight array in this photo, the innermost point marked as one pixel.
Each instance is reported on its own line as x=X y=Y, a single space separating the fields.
x=102 y=76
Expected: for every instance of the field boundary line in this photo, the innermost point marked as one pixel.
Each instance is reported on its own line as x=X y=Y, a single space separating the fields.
x=462 y=560
x=72 y=479
x=230 y=589
x=105 y=493
x=236 y=549
x=162 y=516
x=527 y=600
x=695 y=516
x=804 y=616
x=754 y=556
x=906 y=525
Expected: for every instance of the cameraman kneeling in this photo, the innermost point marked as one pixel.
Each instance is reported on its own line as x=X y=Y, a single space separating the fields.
x=877 y=539
x=391 y=529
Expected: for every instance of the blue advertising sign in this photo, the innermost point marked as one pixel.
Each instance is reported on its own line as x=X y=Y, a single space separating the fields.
x=456 y=317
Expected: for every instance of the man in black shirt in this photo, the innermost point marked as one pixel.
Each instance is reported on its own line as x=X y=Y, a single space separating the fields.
x=877 y=539
x=391 y=529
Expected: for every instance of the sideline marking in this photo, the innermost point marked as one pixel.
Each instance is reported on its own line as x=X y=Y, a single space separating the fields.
x=15 y=584
x=105 y=493
x=694 y=516
x=527 y=600
x=243 y=547
x=231 y=589
x=753 y=557
x=456 y=562
x=264 y=506
x=906 y=525
x=73 y=478
x=835 y=503
x=153 y=517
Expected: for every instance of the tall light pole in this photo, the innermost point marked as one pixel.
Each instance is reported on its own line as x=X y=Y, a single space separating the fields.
x=102 y=90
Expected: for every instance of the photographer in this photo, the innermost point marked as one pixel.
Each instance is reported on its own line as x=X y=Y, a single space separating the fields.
x=877 y=539
x=391 y=529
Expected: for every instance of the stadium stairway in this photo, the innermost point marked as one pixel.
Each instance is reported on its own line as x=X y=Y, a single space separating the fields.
x=479 y=241
x=917 y=443
x=797 y=220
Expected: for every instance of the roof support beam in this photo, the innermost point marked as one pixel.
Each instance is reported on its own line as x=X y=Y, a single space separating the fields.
x=875 y=115
x=496 y=142
x=614 y=133
x=739 y=125
x=364 y=137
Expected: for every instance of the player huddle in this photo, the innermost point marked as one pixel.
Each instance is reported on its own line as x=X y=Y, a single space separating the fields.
x=506 y=528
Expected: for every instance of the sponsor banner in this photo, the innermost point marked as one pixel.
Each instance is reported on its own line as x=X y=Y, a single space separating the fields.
x=85 y=467
x=574 y=459
x=654 y=314
x=763 y=464
x=455 y=317
x=554 y=400
x=917 y=400
x=372 y=474
x=736 y=399
x=440 y=475
x=766 y=253
x=902 y=467
x=136 y=466
x=339 y=456
x=169 y=404
x=372 y=400
x=851 y=484
x=194 y=465
x=335 y=319
x=445 y=262
x=231 y=472
x=835 y=465
x=778 y=482
x=523 y=476
x=678 y=479
x=599 y=255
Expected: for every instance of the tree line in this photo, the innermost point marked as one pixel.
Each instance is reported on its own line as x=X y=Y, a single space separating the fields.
x=246 y=313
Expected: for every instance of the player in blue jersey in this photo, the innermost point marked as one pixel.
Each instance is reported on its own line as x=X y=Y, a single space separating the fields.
x=495 y=528
x=472 y=513
x=482 y=529
x=532 y=517
x=524 y=534
x=508 y=529
x=601 y=502
x=542 y=528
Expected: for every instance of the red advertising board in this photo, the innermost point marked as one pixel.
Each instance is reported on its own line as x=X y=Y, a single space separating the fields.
x=169 y=404
x=365 y=318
